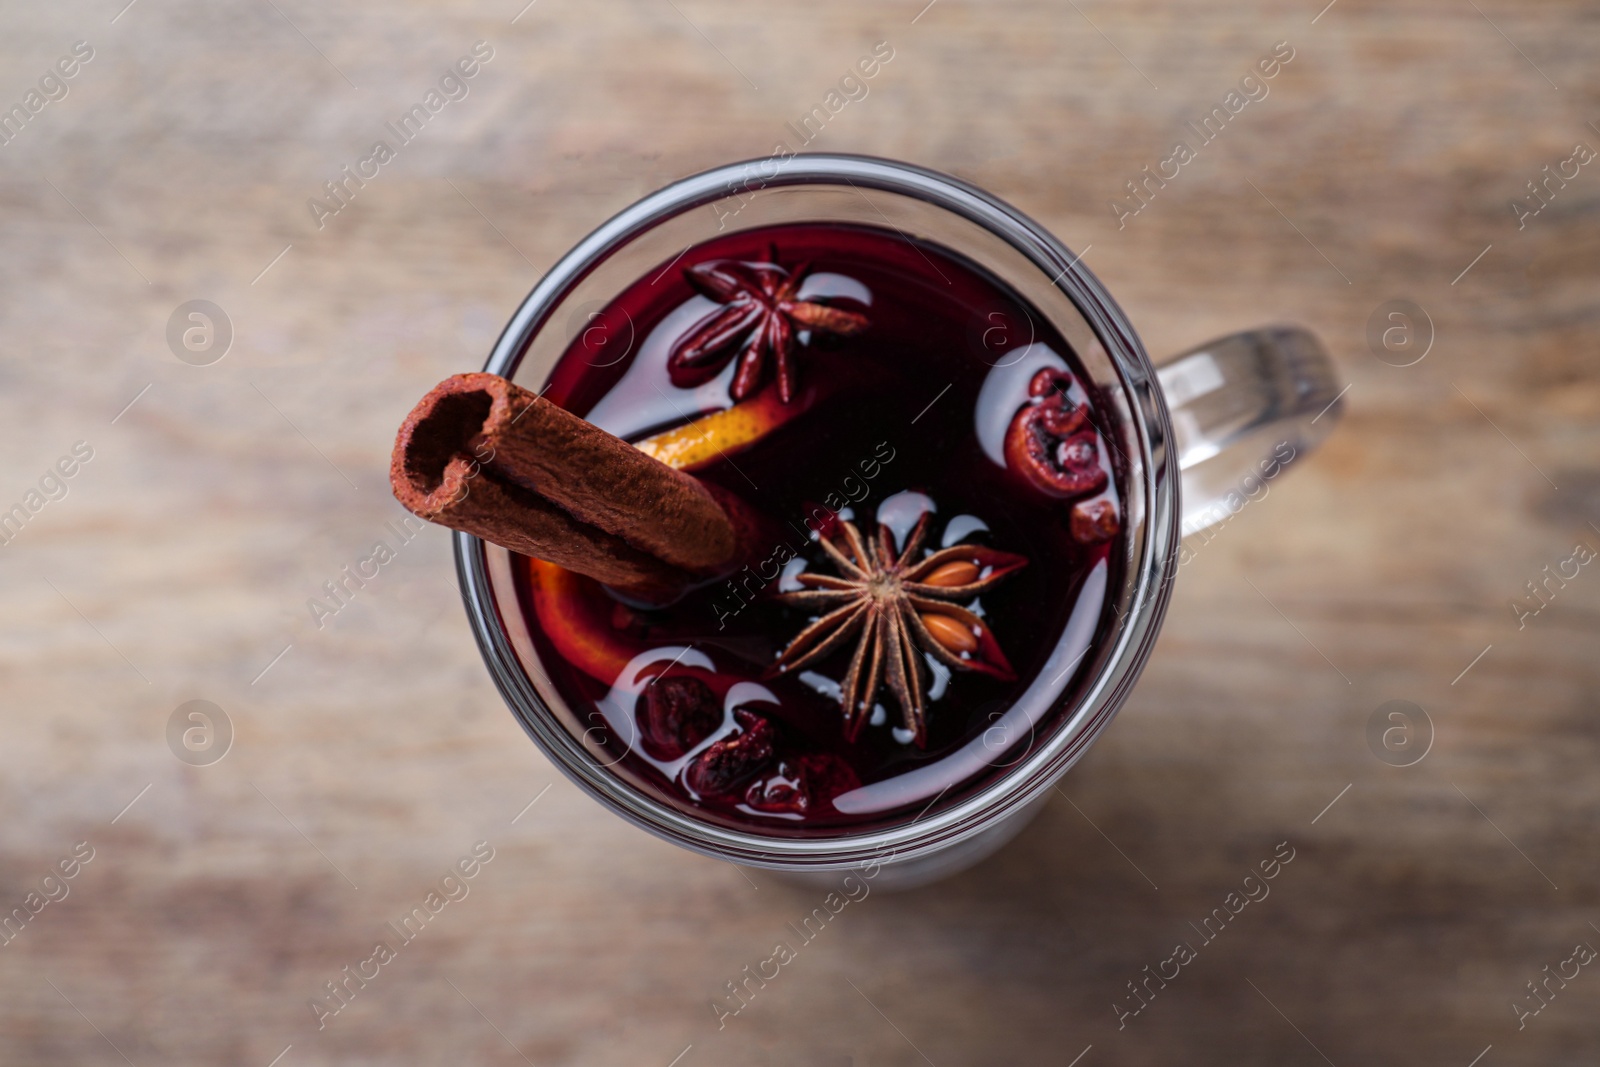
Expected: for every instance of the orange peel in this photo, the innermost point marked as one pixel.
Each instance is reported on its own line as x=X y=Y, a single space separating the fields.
x=697 y=443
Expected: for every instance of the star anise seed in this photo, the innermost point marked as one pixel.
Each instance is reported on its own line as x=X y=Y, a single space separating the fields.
x=759 y=317
x=896 y=609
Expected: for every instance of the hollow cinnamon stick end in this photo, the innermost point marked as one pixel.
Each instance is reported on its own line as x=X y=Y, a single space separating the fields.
x=513 y=518
x=436 y=474
x=442 y=427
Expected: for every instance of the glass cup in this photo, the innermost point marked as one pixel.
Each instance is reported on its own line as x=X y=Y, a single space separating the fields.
x=1200 y=434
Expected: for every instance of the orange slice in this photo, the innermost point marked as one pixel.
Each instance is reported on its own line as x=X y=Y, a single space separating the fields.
x=580 y=634
x=721 y=433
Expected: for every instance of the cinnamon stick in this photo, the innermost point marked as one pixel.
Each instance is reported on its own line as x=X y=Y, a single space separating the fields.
x=482 y=454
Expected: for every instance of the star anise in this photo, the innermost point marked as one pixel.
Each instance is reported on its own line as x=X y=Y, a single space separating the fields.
x=897 y=608
x=759 y=317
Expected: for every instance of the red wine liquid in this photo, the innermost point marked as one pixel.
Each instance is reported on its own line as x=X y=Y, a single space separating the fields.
x=906 y=416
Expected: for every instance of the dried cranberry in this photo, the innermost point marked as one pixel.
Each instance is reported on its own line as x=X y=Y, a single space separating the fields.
x=801 y=785
x=678 y=714
x=1060 y=420
x=720 y=768
x=1093 y=521
x=1046 y=442
x=1076 y=451
x=1049 y=381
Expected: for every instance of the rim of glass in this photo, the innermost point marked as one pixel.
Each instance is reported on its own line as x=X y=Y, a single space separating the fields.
x=1156 y=478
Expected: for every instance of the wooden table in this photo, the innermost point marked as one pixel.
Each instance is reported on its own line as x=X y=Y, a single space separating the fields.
x=371 y=754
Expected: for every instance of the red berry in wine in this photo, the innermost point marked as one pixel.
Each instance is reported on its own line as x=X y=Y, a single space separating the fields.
x=678 y=714
x=727 y=763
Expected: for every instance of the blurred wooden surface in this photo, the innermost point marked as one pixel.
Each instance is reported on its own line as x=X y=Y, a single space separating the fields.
x=374 y=752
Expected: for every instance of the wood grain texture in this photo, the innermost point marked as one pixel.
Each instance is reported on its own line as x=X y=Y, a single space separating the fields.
x=373 y=753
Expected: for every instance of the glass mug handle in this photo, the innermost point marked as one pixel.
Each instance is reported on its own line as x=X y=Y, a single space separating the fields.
x=1244 y=408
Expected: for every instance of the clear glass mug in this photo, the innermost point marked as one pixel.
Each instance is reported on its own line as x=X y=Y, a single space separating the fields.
x=1199 y=434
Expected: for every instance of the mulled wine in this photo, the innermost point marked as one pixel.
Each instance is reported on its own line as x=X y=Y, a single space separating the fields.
x=941 y=512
